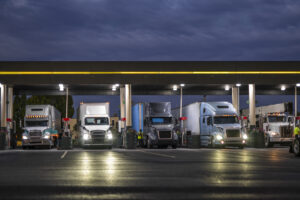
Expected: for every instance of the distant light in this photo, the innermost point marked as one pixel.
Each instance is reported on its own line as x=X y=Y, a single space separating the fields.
x=227 y=87
x=61 y=87
x=298 y=84
x=174 y=87
x=114 y=88
x=283 y=88
x=238 y=85
x=182 y=85
x=117 y=85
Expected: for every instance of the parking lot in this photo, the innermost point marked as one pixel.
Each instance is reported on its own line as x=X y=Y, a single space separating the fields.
x=150 y=174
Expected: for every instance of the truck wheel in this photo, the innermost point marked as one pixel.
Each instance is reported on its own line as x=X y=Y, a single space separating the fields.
x=149 y=145
x=296 y=148
x=241 y=146
x=267 y=142
x=174 y=146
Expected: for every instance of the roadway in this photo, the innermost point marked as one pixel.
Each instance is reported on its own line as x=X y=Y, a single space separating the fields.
x=150 y=174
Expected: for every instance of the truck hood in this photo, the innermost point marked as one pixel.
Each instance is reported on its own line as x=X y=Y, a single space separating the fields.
x=229 y=126
x=275 y=127
x=164 y=127
x=100 y=128
x=41 y=128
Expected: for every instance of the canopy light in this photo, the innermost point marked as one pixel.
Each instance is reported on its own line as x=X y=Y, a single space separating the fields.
x=298 y=84
x=227 y=87
x=182 y=85
x=283 y=88
x=174 y=87
x=61 y=87
x=115 y=86
x=238 y=85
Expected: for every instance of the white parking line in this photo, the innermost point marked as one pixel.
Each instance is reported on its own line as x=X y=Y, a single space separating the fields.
x=62 y=156
x=157 y=154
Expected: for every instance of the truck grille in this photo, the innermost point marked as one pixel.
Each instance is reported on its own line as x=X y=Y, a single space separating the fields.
x=98 y=132
x=165 y=134
x=35 y=133
x=286 y=132
x=233 y=133
x=98 y=137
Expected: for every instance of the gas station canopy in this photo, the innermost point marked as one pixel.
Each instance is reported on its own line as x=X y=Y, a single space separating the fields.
x=88 y=78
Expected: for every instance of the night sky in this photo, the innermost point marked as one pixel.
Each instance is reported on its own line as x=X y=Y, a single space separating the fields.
x=151 y=30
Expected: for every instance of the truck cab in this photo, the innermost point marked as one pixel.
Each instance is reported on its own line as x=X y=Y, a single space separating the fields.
x=278 y=129
x=94 y=125
x=42 y=125
x=157 y=124
x=220 y=125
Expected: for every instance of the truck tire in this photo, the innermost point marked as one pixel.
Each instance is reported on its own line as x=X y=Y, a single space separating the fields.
x=296 y=148
x=241 y=146
x=149 y=145
x=174 y=146
x=267 y=142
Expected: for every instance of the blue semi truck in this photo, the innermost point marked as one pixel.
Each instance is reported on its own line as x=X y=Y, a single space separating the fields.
x=156 y=123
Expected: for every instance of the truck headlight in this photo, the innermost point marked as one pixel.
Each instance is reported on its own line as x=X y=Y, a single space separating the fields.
x=46 y=136
x=109 y=136
x=85 y=136
x=219 y=137
x=24 y=137
x=245 y=137
x=274 y=134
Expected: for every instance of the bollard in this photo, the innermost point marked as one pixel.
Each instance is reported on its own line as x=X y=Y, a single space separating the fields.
x=195 y=141
x=3 y=142
x=130 y=139
x=65 y=143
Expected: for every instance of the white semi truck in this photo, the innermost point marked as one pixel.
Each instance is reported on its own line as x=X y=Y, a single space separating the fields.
x=94 y=124
x=216 y=123
x=42 y=124
x=276 y=123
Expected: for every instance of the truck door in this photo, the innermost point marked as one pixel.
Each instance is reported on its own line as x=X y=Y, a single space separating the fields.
x=209 y=124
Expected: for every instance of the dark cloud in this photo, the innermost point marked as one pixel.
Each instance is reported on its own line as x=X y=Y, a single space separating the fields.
x=149 y=30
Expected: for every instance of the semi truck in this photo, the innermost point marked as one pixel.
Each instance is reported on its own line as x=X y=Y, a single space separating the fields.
x=42 y=124
x=216 y=124
x=94 y=125
x=276 y=123
x=156 y=123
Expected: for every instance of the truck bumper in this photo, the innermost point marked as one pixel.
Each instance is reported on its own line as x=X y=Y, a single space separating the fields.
x=40 y=142
x=166 y=142
x=234 y=141
x=281 y=140
x=87 y=143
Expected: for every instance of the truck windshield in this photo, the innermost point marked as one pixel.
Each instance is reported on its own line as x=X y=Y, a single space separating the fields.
x=277 y=119
x=96 y=121
x=226 y=120
x=161 y=120
x=36 y=123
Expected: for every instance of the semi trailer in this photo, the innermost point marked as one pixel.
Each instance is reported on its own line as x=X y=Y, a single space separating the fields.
x=215 y=123
x=156 y=123
x=94 y=124
x=42 y=124
x=276 y=123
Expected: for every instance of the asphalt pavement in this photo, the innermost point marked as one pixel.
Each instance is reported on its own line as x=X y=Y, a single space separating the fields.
x=150 y=174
